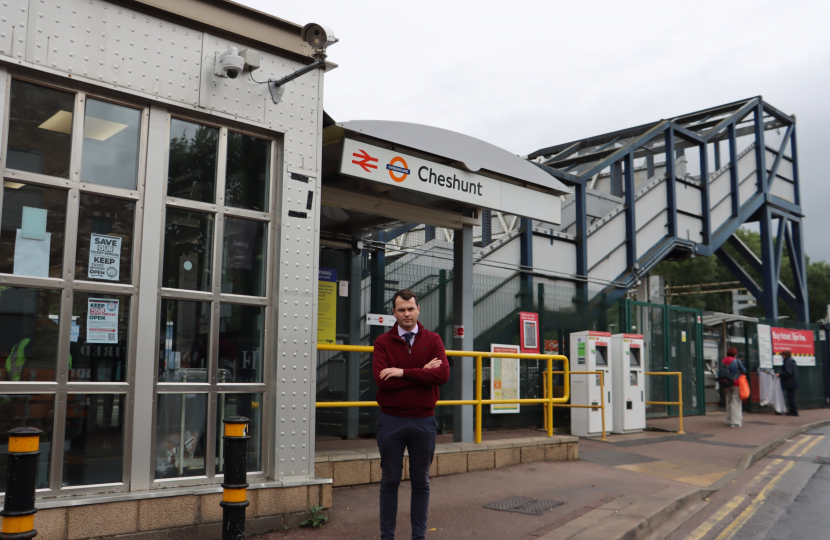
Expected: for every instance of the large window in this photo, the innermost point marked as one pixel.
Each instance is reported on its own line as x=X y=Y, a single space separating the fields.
x=215 y=297
x=71 y=202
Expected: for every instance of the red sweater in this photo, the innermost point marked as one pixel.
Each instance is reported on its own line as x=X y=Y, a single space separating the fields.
x=413 y=395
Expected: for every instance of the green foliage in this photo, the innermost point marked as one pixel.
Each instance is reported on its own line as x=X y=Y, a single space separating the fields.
x=705 y=270
x=317 y=519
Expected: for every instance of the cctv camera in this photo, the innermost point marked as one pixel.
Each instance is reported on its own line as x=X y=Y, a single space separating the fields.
x=318 y=36
x=229 y=64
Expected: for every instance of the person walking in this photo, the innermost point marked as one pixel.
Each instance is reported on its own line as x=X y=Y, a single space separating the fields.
x=789 y=381
x=734 y=412
x=409 y=364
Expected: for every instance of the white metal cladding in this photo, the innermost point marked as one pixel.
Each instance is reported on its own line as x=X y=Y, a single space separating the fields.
x=688 y=199
x=721 y=213
x=784 y=189
x=606 y=238
x=785 y=169
x=558 y=257
x=121 y=49
x=611 y=266
x=690 y=228
x=720 y=188
x=651 y=233
x=650 y=204
x=14 y=24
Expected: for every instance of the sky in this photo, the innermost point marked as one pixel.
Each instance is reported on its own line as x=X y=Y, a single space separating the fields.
x=526 y=75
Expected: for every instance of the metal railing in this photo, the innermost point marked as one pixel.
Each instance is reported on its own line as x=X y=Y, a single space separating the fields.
x=549 y=401
x=678 y=403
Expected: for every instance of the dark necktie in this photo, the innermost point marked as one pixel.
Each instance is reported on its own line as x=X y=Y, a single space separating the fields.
x=408 y=337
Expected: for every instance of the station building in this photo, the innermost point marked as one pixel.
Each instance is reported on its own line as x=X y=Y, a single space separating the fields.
x=175 y=242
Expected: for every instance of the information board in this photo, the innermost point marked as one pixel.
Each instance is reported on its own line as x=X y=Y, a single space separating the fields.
x=504 y=379
x=327 y=306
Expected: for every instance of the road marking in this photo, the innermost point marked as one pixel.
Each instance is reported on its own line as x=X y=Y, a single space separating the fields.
x=753 y=507
x=736 y=501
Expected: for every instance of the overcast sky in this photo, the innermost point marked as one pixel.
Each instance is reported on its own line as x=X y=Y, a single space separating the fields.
x=525 y=75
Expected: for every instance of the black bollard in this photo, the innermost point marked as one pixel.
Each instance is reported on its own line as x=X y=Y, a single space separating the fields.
x=19 y=509
x=234 y=499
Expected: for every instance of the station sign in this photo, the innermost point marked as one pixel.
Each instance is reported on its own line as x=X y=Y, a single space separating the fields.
x=393 y=168
x=379 y=319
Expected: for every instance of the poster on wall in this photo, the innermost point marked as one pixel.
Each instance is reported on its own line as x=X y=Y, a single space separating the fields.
x=764 y=346
x=504 y=379
x=102 y=320
x=327 y=306
x=529 y=332
x=802 y=343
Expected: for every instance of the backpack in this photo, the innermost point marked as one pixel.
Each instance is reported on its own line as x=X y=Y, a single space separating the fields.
x=725 y=379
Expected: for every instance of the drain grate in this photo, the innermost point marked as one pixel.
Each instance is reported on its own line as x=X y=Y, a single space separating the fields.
x=524 y=505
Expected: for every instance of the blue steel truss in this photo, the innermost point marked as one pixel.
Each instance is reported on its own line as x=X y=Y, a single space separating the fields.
x=576 y=163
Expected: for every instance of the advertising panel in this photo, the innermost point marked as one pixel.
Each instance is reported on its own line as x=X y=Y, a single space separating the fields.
x=802 y=343
x=529 y=332
x=504 y=379
x=327 y=306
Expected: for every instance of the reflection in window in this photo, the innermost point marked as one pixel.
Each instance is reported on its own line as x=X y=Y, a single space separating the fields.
x=184 y=341
x=94 y=439
x=249 y=406
x=180 y=435
x=29 y=340
x=248 y=172
x=105 y=239
x=40 y=129
x=100 y=337
x=111 y=134
x=18 y=410
x=191 y=170
x=32 y=230
x=243 y=262
x=240 y=343
x=188 y=250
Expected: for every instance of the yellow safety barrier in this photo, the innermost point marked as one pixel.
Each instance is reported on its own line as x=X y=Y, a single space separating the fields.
x=679 y=403
x=549 y=401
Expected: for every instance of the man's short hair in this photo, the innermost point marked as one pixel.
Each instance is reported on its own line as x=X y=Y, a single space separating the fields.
x=786 y=353
x=404 y=294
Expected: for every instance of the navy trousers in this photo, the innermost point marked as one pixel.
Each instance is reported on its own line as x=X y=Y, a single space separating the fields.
x=418 y=436
x=792 y=406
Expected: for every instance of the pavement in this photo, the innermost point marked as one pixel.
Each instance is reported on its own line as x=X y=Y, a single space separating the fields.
x=631 y=487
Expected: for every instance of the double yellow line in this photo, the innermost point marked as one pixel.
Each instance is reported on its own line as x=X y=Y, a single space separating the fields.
x=804 y=445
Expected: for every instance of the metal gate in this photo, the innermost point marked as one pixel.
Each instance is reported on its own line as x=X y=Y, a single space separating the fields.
x=674 y=342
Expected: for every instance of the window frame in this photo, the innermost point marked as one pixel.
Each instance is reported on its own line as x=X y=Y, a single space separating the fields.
x=74 y=186
x=215 y=298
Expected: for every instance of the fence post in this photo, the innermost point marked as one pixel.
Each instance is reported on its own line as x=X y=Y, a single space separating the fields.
x=549 y=395
x=478 y=398
x=19 y=508
x=680 y=398
x=234 y=499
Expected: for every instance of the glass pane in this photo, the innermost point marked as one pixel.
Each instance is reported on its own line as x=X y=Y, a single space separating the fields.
x=94 y=439
x=111 y=134
x=100 y=337
x=17 y=410
x=105 y=239
x=188 y=250
x=184 y=340
x=240 y=343
x=29 y=340
x=243 y=262
x=40 y=129
x=248 y=173
x=249 y=406
x=32 y=230
x=191 y=170
x=180 y=435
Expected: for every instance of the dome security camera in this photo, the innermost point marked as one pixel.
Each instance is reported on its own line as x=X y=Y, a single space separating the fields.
x=318 y=36
x=229 y=64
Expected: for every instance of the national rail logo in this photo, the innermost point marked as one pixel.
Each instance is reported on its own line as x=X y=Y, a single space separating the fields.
x=398 y=165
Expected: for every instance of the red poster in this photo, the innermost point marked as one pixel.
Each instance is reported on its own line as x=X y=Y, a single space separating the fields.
x=799 y=342
x=529 y=332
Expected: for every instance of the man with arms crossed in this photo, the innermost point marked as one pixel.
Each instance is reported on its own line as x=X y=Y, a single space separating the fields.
x=409 y=364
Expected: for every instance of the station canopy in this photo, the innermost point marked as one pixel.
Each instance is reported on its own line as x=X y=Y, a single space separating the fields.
x=377 y=174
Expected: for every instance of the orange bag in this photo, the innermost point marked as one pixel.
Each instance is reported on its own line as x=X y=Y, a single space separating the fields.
x=743 y=384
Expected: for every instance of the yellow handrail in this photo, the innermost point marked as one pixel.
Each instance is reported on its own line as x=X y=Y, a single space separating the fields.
x=679 y=403
x=548 y=400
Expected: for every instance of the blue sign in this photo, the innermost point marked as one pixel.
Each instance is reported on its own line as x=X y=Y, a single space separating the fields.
x=328 y=274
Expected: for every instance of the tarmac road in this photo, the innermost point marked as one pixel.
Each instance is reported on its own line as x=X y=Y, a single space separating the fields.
x=785 y=496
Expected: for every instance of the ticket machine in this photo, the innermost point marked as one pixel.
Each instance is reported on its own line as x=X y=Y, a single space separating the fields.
x=628 y=373
x=591 y=351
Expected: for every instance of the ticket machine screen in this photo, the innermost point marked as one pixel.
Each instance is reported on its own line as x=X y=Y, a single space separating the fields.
x=602 y=355
x=634 y=357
